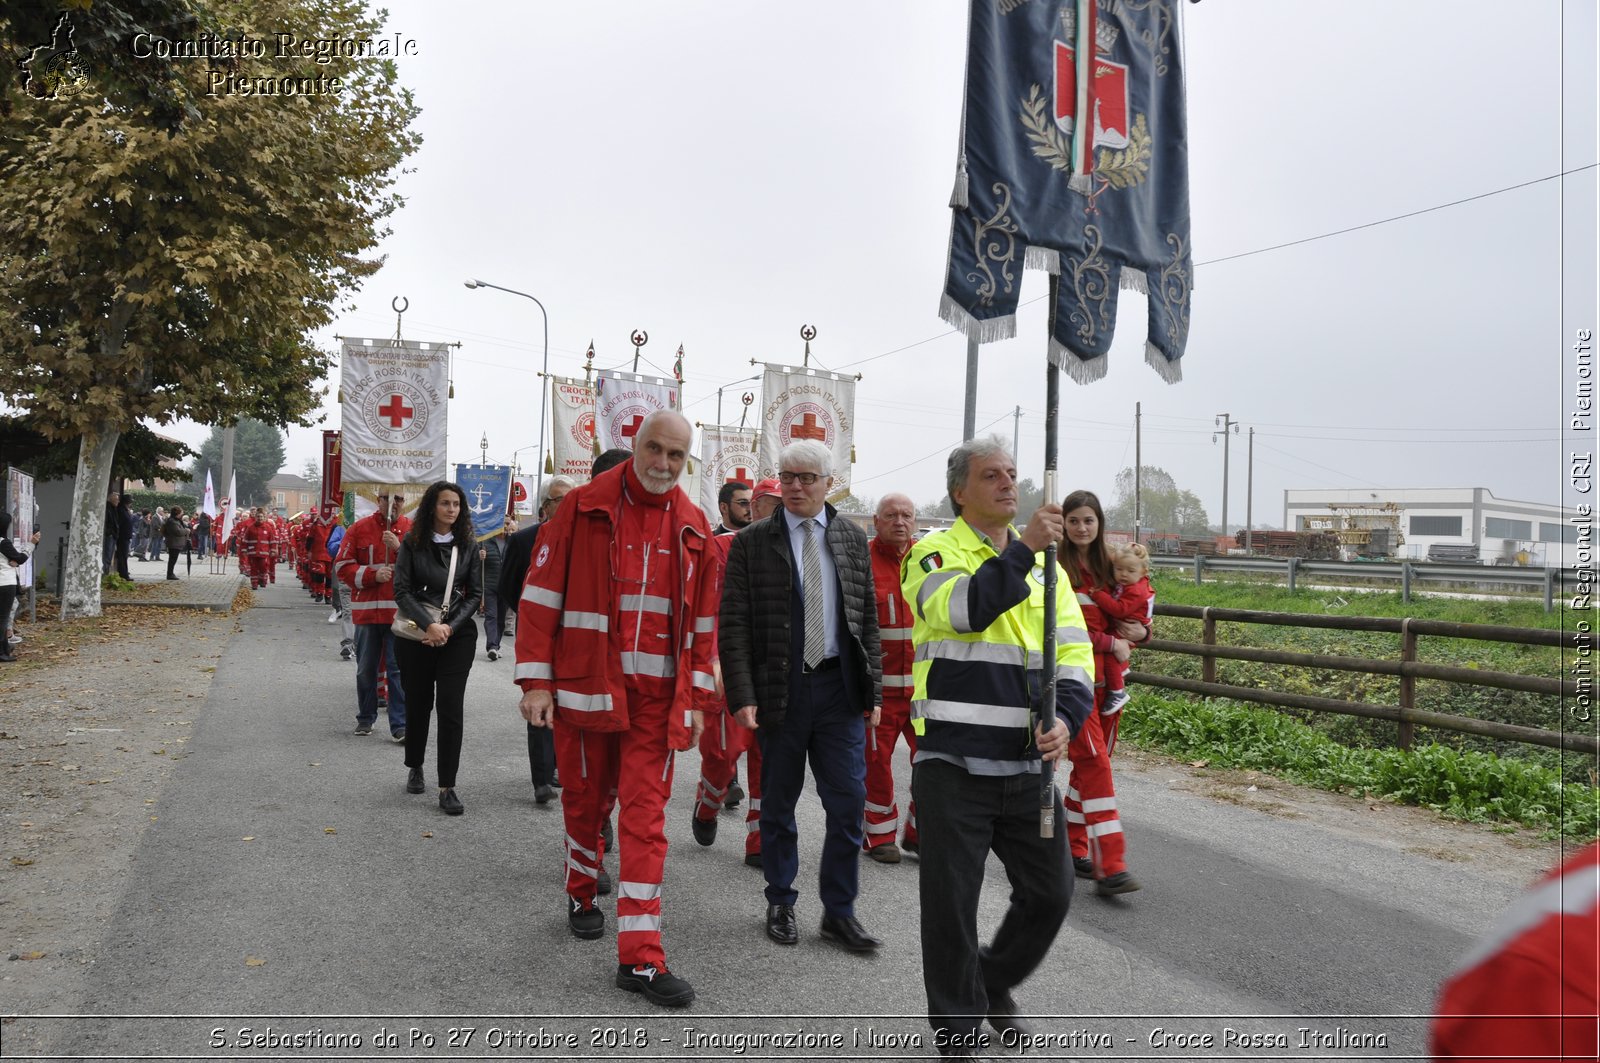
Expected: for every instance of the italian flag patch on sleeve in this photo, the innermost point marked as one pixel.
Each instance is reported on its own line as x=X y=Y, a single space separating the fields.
x=932 y=562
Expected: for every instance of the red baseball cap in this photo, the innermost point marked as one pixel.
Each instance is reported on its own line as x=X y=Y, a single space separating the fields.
x=766 y=487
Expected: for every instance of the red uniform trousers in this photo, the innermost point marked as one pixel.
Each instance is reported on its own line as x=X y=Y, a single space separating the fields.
x=883 y=815
x=260 y=567
x=638 y=762
x=1093 y=828
x=720 y=745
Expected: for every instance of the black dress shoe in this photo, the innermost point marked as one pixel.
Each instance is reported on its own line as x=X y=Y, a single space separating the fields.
x=1083 y=867
x=451 y=803
x=781 y=926
x=705 y=830
x=414 y=783
x=542 y=794
x=847 y=931
x=1004 y=1018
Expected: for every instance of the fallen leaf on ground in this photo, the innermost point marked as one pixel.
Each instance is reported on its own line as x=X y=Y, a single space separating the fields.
x=21 y=861
x=329 y=830
x=1199 y=763
x=248 y=838
x=254 y=961
x=31 y=956
x=427 y=834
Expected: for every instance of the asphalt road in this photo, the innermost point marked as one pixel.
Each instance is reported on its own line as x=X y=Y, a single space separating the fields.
x=355 y=913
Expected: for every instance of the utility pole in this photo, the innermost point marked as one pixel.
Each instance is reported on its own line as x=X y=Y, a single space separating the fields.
x=1228 y=424
x=1016 y=428
x=1138 y=467
x=1249 y=490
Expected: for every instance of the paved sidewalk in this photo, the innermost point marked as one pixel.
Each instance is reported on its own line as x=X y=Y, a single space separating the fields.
x=206 y=584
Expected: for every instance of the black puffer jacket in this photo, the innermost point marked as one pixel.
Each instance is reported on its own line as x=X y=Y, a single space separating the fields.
x=419 y=576
x=753 y=633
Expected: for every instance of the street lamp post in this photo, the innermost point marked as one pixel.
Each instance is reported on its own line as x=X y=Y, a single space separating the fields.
x=544 y=386
x=725 y=387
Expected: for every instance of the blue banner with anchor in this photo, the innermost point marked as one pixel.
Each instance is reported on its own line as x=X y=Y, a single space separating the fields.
x=488 y=489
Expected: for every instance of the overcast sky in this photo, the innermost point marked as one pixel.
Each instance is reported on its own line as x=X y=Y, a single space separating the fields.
x=721 y=173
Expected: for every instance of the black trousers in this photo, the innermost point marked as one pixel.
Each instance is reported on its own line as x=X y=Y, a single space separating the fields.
x=960 y=817
x=435 y=678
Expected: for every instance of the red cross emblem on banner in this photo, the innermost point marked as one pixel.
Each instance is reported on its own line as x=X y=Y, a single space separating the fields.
x=741 y=474
x=397 y=411
x=630 y=428
x=807 y=428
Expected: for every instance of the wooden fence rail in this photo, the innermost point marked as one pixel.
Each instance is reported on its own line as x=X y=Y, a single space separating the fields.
x=1407 y=668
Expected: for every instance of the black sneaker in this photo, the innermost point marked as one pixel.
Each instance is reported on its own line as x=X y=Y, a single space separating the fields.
x=735 y=794
x=1111 y=885
x=911 y=845
x=705 y=830
x=586 y=923
x=659 y=985
x=607 y=837
x=346 y=653
x=363 y=729
x=1083 y=867
x=752 y=860
x=602 y=882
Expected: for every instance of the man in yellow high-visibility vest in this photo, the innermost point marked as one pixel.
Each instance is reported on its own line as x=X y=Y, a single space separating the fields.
x=977 y=598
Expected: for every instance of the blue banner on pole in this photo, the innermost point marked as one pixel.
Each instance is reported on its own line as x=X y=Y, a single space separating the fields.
x=488 y=489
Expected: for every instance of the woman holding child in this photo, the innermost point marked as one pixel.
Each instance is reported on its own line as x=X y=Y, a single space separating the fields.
x=1093 y=827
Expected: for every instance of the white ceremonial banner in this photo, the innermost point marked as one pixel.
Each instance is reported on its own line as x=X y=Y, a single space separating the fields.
x=208 y=502
x=393 y=414
x=623 y=400
x=725 y=454
x=808 y=404
x=571 y=428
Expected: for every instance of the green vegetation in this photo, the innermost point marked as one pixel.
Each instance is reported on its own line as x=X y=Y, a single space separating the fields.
x=1467 y=776
x=1464 y=785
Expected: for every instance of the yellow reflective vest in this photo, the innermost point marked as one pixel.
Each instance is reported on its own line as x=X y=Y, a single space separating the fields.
x=978 y=637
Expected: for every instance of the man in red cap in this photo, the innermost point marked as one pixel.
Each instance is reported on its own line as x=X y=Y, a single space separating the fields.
x=766 y=498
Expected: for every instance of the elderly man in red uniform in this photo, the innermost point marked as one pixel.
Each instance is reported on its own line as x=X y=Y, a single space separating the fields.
x=614 y=641
x=896 y=526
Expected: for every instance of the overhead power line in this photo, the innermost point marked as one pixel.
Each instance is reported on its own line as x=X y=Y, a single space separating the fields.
x=1279 y=247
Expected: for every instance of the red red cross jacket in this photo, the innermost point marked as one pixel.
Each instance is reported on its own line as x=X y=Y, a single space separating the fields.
x=371 y=602
x=570 y=619
x=894 y=621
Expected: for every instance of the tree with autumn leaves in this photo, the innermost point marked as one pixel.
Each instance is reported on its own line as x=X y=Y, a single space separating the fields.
x=158 y=271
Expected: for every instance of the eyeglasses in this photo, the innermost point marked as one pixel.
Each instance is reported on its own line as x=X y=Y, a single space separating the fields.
x=807 y=478
x=739 y=502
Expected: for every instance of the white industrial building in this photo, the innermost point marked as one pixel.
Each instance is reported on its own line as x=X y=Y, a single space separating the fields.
x=1504 y=531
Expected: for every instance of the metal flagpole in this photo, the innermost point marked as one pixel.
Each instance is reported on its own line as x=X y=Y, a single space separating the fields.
x=1047 y=702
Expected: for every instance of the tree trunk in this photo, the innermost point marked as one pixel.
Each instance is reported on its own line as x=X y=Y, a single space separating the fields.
x=86 y=537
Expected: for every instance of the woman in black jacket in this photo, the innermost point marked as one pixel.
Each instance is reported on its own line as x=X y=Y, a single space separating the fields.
x=434 y=671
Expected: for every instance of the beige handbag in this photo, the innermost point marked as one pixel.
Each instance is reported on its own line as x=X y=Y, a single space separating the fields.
x=406 y=628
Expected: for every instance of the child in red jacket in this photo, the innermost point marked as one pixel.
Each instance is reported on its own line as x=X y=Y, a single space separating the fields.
x=1131 y=599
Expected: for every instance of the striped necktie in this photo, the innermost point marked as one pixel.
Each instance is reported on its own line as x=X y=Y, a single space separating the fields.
x=811 y=577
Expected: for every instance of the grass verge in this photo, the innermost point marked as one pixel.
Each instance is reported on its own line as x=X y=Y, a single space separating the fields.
x=1462 y=784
